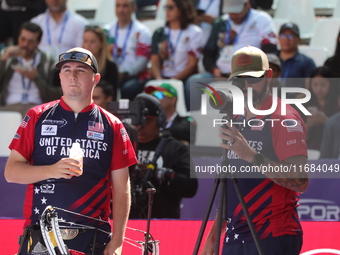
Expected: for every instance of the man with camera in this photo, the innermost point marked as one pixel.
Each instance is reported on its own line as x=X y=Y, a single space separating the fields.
x=271 y=197
x=183 y=128
x=164 y=163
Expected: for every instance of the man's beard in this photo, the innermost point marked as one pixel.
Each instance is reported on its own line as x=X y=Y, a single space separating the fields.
x=257 y=96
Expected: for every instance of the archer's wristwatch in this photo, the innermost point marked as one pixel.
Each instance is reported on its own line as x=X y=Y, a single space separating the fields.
x=258 y=159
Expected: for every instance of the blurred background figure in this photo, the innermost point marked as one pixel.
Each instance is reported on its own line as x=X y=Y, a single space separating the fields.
x=207 y=12
x=183 y=128
x=63 y=29
x=333 y=63
x=176 y=47
x=173 y=176
x=293 y=63
x=129 y=44
x=102 y=94
x=238 y=27
x=275 y=65
x=25 y=72
x=330 y=144
x=324 y=103
x=95 y=41
x=13 y=14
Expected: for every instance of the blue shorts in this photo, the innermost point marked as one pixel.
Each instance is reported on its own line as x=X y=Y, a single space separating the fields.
x=282 y=245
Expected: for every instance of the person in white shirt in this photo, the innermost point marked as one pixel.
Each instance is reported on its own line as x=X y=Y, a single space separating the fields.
x=176 y=47
x=129 y=44
x=63 y=29
x=207 y=12
x=239 y=27
x=25 y=72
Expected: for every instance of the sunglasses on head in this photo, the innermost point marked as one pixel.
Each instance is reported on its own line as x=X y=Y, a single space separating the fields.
x=81 y=56
x=162 y=94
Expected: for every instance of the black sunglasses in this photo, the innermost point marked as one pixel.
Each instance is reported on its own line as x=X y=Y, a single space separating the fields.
x=81 y=56
x=251 y=79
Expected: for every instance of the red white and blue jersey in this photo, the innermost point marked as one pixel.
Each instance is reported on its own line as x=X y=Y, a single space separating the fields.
x=271 y=206
x=46 y=135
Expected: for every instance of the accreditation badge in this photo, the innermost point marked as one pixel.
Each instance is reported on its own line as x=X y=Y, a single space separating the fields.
x=224 y=61
x=55 y=51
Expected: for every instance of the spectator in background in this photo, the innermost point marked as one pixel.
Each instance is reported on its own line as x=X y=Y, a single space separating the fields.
x=95 y=41
x=13 y=16
x=173 y=176
x=25 y=72
x=324 y=103
x=207 y=12
x=330 y=144
x=102 y=93
x=333 y=63
x=130 y=47
x=242 y=26
x=275 y=65
x=176 y=46
x=183 y=128
x=63 y=29
x=293 y=63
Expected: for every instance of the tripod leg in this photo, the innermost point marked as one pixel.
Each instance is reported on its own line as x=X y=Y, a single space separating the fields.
x=246 y=213
x=206 y=216
x=151 y=192
x=221 y=214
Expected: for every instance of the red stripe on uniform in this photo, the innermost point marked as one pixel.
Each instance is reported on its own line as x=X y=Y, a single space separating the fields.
x=251 y=194
x=88 y=195
x=28 y=204
x=93 y=203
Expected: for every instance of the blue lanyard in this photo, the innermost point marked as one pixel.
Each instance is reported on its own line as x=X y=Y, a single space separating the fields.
x=115 y=50
x=24 y=87
x=171 y=48
x=62 y=28
x=206 y=8
x=228 y=27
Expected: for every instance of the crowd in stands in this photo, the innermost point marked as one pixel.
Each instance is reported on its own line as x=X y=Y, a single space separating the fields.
x=129 y=55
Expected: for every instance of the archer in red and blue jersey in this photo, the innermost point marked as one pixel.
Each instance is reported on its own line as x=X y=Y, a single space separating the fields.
x=263 y=143
x=40 y=158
